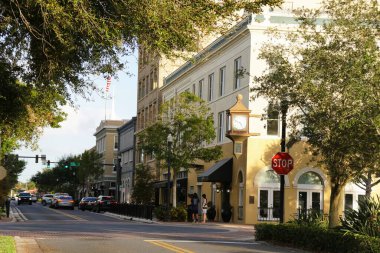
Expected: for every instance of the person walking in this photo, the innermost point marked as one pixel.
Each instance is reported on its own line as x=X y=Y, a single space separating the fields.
x=194 y=207
x=204 y=207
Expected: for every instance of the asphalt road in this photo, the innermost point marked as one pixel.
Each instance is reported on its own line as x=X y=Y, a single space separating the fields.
x=77 y=231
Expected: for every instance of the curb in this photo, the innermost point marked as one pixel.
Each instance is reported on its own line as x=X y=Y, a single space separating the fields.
x=123 y=217
x=17 y=214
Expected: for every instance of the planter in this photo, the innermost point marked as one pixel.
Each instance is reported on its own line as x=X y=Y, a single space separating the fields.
x=211 y=213
x=226 y=214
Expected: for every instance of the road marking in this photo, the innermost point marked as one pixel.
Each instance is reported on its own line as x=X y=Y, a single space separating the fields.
x=169 y=246
x=69 y=215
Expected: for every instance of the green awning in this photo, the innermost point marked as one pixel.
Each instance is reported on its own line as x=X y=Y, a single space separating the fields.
x=219 y=172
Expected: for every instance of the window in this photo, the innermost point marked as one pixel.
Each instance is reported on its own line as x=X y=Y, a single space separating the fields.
x=272 y=120
x=100 y=145
x=221 y=128
x=310 y=193
x=211 y=87
x=200 y=88
x=222 y=81
x=353 y=194
x=237 y=74
x=269 y=196
x=116 y=142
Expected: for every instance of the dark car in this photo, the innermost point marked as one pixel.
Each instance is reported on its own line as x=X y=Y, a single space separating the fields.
x=24 y=197
x=104 y=203
x=87 y=203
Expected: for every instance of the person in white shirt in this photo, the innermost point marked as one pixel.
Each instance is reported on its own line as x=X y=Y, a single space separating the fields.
x=204 y=207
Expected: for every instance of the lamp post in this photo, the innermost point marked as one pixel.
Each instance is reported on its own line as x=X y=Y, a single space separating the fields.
x=284 y=109
x=169 y=142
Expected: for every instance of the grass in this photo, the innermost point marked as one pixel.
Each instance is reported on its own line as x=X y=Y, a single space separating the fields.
x=7 y=244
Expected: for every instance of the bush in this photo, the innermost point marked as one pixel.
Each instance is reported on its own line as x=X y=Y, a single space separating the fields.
x=310 y=218
x=175 y=213
x=364 y=221
x=178 y=213
x=316 y=238
x=160 y=213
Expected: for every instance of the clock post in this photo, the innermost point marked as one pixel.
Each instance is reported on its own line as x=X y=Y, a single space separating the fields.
x=238 y=129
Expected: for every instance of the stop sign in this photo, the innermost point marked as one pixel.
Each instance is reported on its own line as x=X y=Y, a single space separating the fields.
x=282 y=163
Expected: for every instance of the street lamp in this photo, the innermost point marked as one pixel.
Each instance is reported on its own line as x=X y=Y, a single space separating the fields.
x=169 y=142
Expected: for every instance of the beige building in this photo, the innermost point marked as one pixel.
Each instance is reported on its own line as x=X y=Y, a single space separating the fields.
x=243 y=177
x=107 y=145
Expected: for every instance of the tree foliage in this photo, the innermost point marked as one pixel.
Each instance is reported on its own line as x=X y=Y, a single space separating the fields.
x=143 y=188
x=50 y=48
x=330 y=77
x=189 y=120
x=14 y=167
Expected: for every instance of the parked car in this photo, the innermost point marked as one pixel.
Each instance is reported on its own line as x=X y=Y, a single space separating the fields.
x=34 y=198
x=87 y=203
x=13 y=198
x=47 y=199
x=63 y=201
x=104 y=203
x=24 y=197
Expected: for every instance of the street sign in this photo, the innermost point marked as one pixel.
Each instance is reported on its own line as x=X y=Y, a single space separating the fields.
x=3 y=172
x=282 y=163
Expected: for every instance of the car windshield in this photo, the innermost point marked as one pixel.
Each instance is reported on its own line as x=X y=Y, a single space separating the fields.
x=48 y=196
x=24 y=194
x=91 y=198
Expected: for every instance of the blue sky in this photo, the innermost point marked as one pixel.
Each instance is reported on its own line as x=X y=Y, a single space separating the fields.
x=77 y=132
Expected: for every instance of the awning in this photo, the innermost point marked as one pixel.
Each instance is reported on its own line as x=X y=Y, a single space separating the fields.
x=219 y=172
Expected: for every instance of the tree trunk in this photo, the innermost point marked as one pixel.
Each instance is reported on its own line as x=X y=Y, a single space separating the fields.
x=174 y=188
x=368 y=186
x=336 y=208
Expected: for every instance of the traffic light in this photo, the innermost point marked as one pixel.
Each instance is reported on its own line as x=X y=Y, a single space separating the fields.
x=67 y=165
x=48 y=163
x=36 y=158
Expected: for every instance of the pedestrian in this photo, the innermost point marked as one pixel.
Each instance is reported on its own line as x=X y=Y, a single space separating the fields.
x=194 y=207
x=190 y=208
x=204 y=207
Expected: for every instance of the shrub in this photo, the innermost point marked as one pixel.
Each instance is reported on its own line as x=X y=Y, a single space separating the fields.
x=160 y=213
x=310 y=218
x=364 y=221
x=178 y=213
x=316 y=238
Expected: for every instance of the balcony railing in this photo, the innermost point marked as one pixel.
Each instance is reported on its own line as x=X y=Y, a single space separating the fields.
x=268 y=214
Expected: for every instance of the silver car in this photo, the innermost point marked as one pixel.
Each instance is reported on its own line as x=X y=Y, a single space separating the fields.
x=63 y=201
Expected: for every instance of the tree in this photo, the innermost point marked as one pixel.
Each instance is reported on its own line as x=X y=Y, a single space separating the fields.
x=14 y=168
x=330 y=78
x=143 y=189
x=188 y=119
x=90 y=168
x=48 y=49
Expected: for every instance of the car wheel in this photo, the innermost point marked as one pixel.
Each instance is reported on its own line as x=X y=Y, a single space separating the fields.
x=72 y=208
x=30 y=203
x=98 y=209
x=82 y=209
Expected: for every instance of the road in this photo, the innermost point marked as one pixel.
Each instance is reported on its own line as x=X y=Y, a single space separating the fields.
x=77 y=231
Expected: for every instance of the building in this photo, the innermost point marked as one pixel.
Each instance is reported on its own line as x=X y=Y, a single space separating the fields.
x=243 y=180
x=126 y=154
x=107 y=145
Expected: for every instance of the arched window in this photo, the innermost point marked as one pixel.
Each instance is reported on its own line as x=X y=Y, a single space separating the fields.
x=310 y=191
x=269 y=195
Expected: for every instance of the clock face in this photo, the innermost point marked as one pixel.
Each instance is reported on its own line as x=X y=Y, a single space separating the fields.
x=239 y=122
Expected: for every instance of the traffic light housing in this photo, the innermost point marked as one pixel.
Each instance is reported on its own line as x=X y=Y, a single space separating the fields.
x=36 y=158
x=67 y=165
x=48 y=163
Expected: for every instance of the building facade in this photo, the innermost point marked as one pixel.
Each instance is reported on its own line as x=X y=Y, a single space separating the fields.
x=126 y=154
x=243 y=180
x=107 y=143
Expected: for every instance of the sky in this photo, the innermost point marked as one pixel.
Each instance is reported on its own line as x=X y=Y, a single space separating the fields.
x=77 y=132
